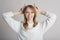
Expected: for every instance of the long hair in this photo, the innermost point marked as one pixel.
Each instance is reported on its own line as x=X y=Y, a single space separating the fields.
x=25 y=24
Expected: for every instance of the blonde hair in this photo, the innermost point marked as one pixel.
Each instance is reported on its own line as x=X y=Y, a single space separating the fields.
x=25 y=24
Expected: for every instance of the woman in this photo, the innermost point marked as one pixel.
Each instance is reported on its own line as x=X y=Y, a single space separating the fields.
x=30 y=29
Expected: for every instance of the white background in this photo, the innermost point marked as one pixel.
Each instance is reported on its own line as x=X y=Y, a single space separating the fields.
x=6 y=33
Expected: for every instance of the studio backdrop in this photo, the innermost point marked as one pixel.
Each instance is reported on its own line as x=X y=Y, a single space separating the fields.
x=6 y=33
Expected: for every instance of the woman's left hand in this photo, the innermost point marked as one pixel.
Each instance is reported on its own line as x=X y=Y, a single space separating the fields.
x=38 y=10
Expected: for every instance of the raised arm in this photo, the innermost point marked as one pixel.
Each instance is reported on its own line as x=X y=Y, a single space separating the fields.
x=14 y=24
x=51 y=18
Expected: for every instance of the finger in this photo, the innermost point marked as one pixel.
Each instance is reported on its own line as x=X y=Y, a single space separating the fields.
x=24 y=4
x=34 y=4
x=20 y=9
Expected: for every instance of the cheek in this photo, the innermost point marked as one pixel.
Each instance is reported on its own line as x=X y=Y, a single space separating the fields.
x=26 y=15
x=32 y=16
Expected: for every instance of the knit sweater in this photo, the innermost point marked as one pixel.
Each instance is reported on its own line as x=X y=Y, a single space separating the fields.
x=33 y=33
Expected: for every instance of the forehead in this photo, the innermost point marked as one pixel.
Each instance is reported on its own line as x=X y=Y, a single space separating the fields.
x=29 y=9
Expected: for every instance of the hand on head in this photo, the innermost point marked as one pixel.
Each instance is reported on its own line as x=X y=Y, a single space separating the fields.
x=21 y=9
x=38 y=10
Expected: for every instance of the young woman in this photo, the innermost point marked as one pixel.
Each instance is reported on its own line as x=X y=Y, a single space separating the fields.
x=30 y=28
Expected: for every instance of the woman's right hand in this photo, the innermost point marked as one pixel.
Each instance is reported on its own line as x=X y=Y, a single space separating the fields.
x=19 y=11
x=16 y=13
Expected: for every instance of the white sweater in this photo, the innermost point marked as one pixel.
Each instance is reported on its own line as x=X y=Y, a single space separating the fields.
x=35 y=33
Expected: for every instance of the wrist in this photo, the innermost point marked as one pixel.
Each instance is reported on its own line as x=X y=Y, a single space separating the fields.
x=43 y=12
x=16 y=13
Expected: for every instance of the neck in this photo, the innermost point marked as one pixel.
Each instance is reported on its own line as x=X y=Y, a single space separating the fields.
x=30 y=21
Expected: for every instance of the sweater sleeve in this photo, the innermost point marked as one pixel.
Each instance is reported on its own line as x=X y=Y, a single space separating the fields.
x=47 y=24
x=15 y=25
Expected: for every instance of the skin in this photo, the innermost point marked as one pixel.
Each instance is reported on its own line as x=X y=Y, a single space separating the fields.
x=29 y=15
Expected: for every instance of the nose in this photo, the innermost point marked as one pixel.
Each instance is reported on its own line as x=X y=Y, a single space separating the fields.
x=29 y=14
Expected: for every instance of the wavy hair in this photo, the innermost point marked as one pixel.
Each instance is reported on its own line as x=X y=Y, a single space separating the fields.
x=25 y=24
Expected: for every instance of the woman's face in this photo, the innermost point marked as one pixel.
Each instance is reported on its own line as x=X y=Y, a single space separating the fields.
x=29 y=14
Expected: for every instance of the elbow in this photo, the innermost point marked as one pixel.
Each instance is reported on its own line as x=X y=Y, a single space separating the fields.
x=4 y=15
x=55 y=16
x=7 y=14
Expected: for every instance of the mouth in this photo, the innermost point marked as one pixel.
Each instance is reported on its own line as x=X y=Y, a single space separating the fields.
x=29 y=17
